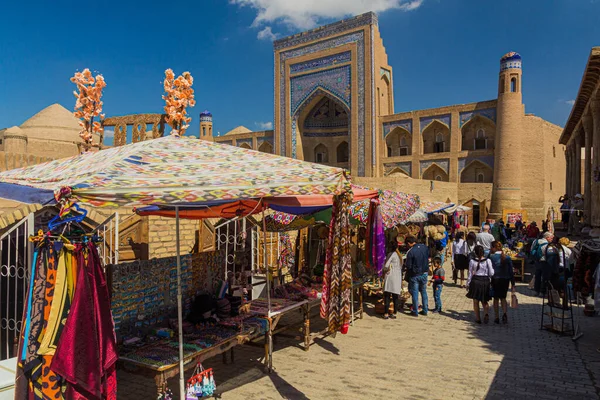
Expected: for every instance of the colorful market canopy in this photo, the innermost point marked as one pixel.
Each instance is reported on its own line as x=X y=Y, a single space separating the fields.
x=429 y=207
x=395 y=208
x=457 y=208
x=172 y=170
x=419 y=216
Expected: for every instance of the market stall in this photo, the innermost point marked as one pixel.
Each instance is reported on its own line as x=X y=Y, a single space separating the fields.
x=191 y=174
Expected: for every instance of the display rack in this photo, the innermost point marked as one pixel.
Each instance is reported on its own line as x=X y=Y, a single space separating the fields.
x=559 y=309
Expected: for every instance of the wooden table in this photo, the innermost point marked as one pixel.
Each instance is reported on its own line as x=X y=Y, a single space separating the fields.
x=161 y=373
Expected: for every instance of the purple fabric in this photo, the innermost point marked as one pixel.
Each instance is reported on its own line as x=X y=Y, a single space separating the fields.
x=378 y=242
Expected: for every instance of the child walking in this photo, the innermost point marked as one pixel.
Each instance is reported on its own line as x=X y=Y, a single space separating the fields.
x=439 y=276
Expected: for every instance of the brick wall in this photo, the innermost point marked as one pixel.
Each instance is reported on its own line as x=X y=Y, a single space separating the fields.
x=10 y=161
x=162 y=236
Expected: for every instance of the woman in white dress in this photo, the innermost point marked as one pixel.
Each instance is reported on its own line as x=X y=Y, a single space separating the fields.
x=392 y=275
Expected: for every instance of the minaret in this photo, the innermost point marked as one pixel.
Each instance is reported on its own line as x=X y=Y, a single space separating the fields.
x=506 y=193
x=206 y=125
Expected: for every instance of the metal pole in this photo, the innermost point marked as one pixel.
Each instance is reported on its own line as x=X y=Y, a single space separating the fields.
x=264 y=223
x=179 y=309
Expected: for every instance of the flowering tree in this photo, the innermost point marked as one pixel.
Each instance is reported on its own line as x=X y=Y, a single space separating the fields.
x=89 y=106
x=179 y=95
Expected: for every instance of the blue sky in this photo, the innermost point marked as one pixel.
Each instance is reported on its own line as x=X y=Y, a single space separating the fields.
x=443 y=52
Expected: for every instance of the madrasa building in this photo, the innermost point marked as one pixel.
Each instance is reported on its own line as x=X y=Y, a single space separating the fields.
x=334 y=104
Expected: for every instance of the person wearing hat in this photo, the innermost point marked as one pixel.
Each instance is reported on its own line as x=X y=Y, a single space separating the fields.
x=576 y=212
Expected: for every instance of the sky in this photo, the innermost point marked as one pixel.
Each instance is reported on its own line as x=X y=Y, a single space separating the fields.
x=443 y=52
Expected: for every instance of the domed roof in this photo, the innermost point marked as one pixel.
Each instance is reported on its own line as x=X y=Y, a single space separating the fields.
x=240 y=129
x=54 y=123
x=13 y=131
x=510 y=56
x=206 y=113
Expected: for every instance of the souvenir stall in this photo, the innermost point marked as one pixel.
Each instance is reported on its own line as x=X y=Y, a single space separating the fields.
x=193 y=177
x=370 y=218
x=586 y=274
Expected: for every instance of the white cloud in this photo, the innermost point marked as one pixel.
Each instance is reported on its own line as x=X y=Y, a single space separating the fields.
x=264 y=125
x=570 y=102
x=306 y=14
x=109 y=133
x=267 y=34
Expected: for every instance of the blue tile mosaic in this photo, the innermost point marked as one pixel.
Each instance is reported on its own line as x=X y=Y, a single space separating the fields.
x=384 y=72
x=324 y=134
x=404 y=166
x=464 y=162
x=337 y=81
x=489 y=113
x=239 y=142
x=327 y=114
x=322 y=62
x=285 y=108
x=443 y=163
x=444 y=119
x=326 y=31
x=390 y=126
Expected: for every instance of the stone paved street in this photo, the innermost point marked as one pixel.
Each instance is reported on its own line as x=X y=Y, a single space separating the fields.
x=435 y=357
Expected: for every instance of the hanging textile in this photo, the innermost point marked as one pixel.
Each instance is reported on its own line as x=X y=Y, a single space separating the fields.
x=88 y=335
x=378 y=241
x=337 y=277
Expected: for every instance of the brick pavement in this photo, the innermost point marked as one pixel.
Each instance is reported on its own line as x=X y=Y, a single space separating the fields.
x=434 y=357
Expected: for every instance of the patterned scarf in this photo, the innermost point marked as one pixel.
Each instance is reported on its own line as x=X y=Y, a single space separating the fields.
x=337 y=277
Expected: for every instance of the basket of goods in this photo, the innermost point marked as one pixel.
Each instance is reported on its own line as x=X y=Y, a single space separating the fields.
x=403 y=230
x=380 y=308
x=414 y=230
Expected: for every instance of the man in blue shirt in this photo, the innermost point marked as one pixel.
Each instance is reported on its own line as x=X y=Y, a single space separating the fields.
x=417 y=265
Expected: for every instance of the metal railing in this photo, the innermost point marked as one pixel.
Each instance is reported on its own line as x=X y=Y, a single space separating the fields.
x=16 y=253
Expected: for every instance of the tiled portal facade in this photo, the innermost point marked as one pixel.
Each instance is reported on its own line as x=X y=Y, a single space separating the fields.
x=334 y=104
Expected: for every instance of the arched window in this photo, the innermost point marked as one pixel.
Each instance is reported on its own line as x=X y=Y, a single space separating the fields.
x=343 y=153
x=438 y=178
x=480 y=177
x=513 y=85
x=403 y=146
x=480 y=140
x=321 y=154
x=203 y=131
x=439 y=143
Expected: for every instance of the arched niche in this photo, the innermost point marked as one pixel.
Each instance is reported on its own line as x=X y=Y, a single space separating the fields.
x=435 y=173
x=343 y=153
x=245 y=146
x=398 y=143
x=477 y=172
x=323 y=119
x=321 y=154
x=397 y=172
x=436 y=138
x=266 y=147
x=478 y=134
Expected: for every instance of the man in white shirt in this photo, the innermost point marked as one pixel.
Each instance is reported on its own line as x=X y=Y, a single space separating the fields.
x=485 y=239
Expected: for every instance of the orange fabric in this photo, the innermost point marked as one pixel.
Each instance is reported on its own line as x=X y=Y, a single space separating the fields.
x=319 y=200
x=230 y=210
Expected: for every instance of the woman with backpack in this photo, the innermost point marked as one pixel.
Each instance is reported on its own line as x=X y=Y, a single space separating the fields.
x=503 y=276
x=478 y=283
